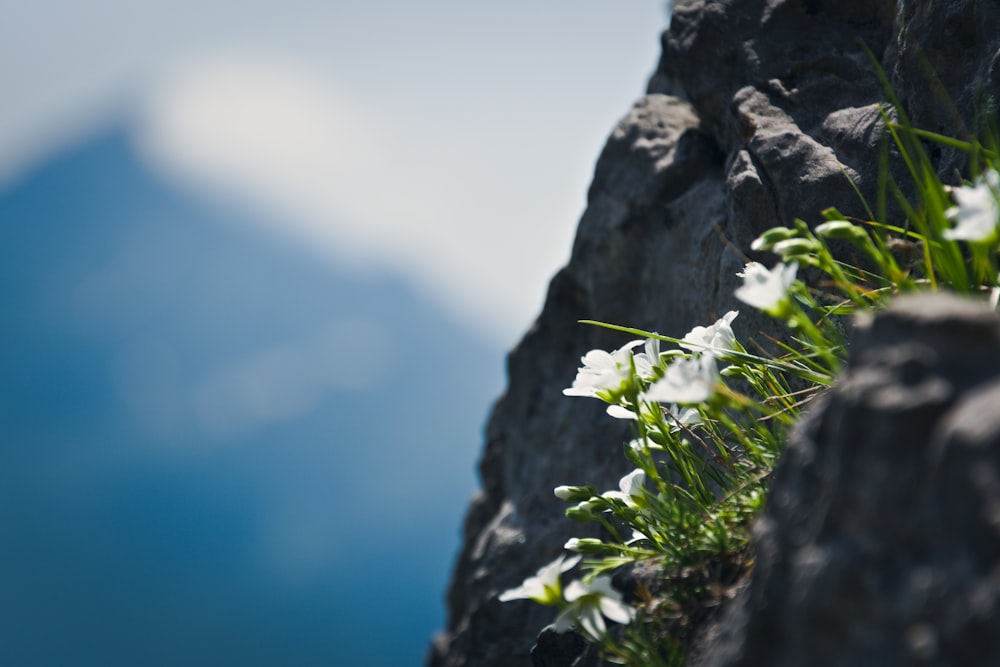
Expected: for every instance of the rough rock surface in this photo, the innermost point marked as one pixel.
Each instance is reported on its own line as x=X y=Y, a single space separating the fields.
x=944 y=62
x=753 y=117
x=880 y=544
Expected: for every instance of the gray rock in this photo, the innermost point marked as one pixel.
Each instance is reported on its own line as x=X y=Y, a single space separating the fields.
x=880 y=543
x=566 y=649
x=756 y=113
x=944 y=63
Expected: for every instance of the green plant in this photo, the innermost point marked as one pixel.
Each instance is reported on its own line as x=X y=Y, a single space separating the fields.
x=709 y=417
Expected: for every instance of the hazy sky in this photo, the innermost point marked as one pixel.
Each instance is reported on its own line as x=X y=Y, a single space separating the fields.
x=451 y=141
x=448 y=143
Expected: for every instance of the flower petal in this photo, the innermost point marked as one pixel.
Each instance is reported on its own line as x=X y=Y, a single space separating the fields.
x=616 y=610
x=717 y=338
x=976 y=210
x=686 y=381
x=766 y=290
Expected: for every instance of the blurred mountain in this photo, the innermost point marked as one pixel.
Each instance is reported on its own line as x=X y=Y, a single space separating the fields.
x=215 y=448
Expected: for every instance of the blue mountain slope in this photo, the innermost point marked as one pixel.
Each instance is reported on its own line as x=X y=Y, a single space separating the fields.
x=215 y=449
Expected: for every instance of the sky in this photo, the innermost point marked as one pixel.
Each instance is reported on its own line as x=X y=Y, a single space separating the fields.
x=207 y=434
x=253 y=247
x=452 y=141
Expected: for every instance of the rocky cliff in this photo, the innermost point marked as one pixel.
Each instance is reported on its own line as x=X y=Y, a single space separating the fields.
x=754 y=115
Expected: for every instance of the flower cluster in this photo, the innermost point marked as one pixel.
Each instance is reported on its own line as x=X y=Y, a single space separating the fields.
x=584 y=604
x=545 y=587
x=677 y=377
x=603 y=375
x=702 y=447
x=696 y=450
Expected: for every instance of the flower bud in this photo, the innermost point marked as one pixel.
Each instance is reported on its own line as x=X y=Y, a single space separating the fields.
x=574 y=494
x=584 y=545
x=733 y=371
x=791 y=248
x=767 y=240
x=837 y=229
x=656 y=440
x=579 y=513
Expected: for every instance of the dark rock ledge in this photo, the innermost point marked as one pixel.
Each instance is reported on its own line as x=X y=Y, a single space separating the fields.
x=880 y=544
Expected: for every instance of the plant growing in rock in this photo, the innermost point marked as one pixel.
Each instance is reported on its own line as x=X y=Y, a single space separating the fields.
x=709 y=416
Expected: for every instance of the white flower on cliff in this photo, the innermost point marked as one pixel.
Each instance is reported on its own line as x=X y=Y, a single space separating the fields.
x=639 y=445
x=766 y=290
x=545 y=586
x=681 y=417
x=603 y=373
x=648 y=360
x=621 y=412
x=638 y=536
x=589 y=604
x=649 y=411
x=714 y=339
x=976 y=210
x=686 y=381
x=630 y=488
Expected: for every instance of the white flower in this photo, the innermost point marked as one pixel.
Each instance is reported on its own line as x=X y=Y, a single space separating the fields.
x=603 y=372
x=630 y=488
x=621 y=412
x=766 y=290
x=589 y=604
x=715 y=339
x=639 y=446
x=638 y=536
x=648 y=412
x=682 y=417
x=648 y=360
x=976 y=211
x=545 y=587
x=686 y=381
